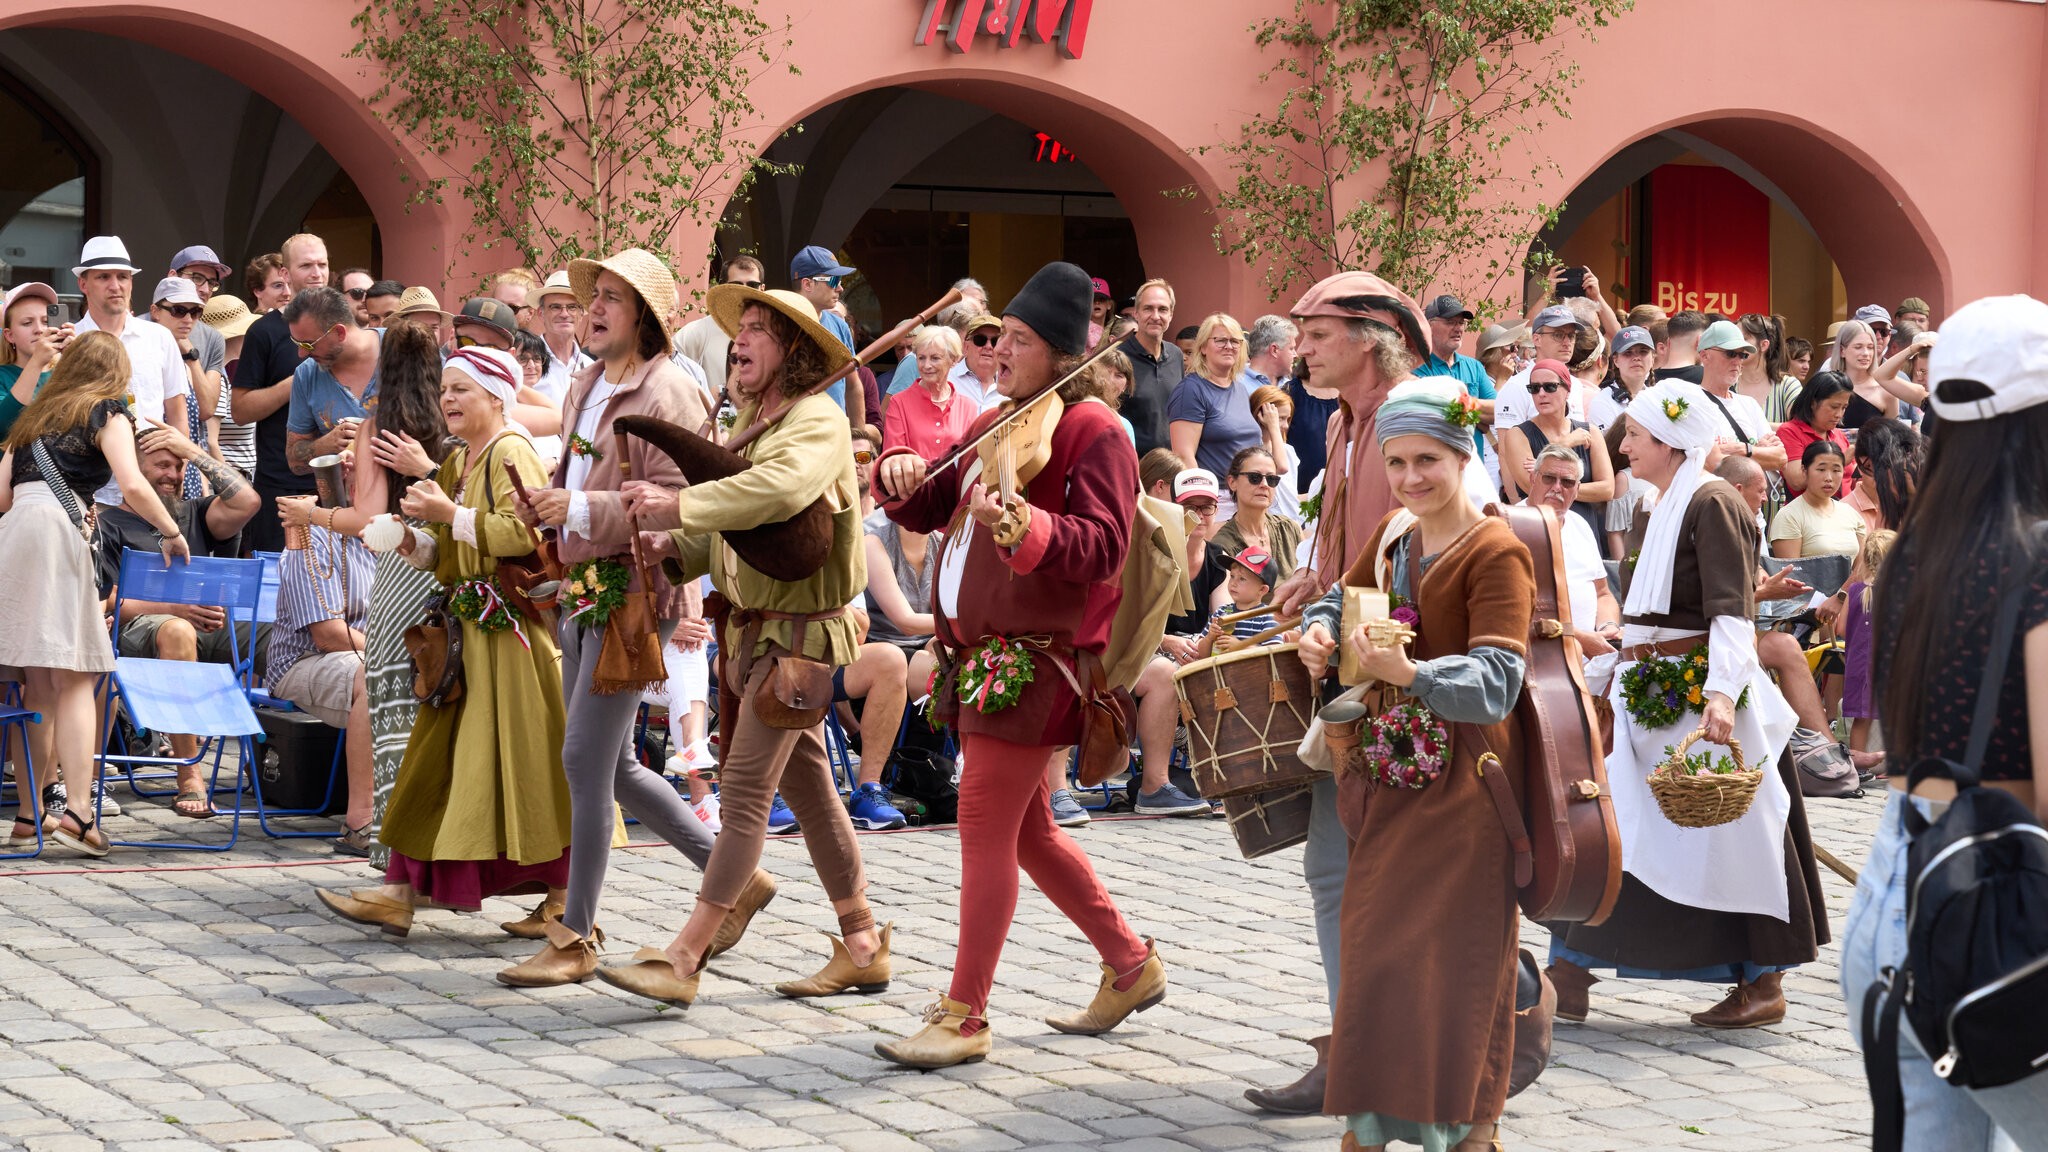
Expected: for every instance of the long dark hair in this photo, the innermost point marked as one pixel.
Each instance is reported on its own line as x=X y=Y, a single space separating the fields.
x=1986 y=490
x=1892 y=454
x=409 y=398
x=1823 y=386
x=1777 y=359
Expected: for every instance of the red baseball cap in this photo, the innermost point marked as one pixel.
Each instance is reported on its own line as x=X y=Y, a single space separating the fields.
x=1258 y=561
x=1102 y=289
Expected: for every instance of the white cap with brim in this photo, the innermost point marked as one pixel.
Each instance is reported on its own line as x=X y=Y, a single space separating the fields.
x=104 y=253
x=1195 y=483
x=2000 y=342
x=33 y=289
x=175 y=290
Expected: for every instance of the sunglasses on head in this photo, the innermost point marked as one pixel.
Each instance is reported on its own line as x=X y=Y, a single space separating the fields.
x=862 y=456
x=983 y=340
x=1269 y=479
x=356 y=294
x=1546 y=386
x=184 y=311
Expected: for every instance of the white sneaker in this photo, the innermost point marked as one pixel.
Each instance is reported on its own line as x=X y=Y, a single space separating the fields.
x=708 y=813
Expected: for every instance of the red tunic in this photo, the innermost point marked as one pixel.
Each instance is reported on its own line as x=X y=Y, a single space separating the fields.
x=1064 y=579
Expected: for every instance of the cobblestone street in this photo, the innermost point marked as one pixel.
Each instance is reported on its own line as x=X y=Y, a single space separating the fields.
x=156 y=1002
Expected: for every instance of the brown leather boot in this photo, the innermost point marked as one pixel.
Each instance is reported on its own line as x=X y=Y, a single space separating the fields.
x=1111 y=1007
x=1747 y=1005
x=1304 y=1097
x=1572 y=983
x=567 y=959
x=650 y=974
x=535 y=924
x=369 y=906
x=754 y=897
x=841 y=973
x=939 y=1043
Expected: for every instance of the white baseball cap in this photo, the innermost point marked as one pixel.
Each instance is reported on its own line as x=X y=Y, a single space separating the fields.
x=2000 y=342
x=34 y=289
x=1190 y=483
x=175 y=290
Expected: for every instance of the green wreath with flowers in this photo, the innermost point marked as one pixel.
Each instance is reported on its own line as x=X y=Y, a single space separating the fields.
x=594 y=590
x=993 y=676
x=481 y=602
x=1658 y=691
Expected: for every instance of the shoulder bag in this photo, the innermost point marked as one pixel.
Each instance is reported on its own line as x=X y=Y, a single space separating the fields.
x=435 y=647
x=53 y=476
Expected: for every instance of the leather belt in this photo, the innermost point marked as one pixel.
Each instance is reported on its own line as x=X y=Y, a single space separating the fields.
x=1678 y=647
x=748 y=621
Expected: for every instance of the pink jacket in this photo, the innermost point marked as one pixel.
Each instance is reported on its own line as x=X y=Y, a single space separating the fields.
x=661 y=390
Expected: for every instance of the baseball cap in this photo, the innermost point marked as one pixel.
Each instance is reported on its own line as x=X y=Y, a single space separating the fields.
x=984 y=320
x=1190 y=483
x=1555 y=316
x=816 y=261
x=1633 y=337
x=1913 y=304
x=1259 y=561
x=34 y=289
x=1874 y=314
x=1501 y=335
x=2000 y=342
x=486 y=310
x=199 y=254
x=1724 y=335
x=1102 y=291
x=1444 y=307
x=175 y=290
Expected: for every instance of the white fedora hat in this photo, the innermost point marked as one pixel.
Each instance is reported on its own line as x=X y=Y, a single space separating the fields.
x=104 y=252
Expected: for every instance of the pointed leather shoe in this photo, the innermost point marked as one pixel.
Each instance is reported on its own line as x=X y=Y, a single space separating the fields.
x=841 y=973
x=651 y=975
x=939 y=1043
x=369 y=906
x=754 y=897
x=1573 y=985
x=567 y=959
x=535 y=925
x=1747 y=1005
x=1111 y=1007
x=1304 y=1097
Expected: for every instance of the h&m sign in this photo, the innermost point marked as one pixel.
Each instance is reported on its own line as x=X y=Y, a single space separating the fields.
x=1061 y=22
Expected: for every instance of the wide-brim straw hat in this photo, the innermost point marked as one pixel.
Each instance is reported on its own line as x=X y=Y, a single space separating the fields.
x=727 y=301
x=636 y=266
x=228 y=316
x=415 y=300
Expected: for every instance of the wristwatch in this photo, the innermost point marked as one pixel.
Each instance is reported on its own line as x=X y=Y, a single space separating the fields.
x=191 y=354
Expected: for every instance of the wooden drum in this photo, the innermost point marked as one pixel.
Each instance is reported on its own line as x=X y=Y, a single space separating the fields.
x=1246 y=713
x=1268 y=822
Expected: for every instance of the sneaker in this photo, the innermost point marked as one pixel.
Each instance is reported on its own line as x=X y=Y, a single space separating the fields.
x=1067 y=811
x=106 y=804
x=780 y=819
x=871 y=810
x=707 y=812
x=1171 y=801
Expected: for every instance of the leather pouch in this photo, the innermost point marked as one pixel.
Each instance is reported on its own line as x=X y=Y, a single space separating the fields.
x=435 y=646
x=794 y=693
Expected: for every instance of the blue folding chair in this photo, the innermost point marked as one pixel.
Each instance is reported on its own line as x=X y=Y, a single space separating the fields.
x=206 y=700
x=14 y=722
x=260 y=697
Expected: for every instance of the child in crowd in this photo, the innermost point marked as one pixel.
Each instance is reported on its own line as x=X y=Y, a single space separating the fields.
x=687 y=696
x=1857 y=706
x=1250 y=585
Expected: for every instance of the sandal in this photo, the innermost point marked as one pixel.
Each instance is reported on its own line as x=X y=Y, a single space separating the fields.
x=194 y=805
x=24 y=833
x=88 y=839
x=353 y=841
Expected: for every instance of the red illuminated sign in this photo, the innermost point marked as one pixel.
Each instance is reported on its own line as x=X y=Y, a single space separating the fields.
x=1061 y=22
x=1051 y=151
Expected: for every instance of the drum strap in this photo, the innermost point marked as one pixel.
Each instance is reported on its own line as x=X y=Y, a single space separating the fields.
x=1507 y=807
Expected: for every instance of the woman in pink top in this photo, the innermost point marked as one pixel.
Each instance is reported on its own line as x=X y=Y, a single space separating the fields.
x=932 y=415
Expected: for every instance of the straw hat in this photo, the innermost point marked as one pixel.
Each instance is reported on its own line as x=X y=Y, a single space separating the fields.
x=228 y=316
x=557 y=285
x=415 y=300
x=727 y=301
x=636 y=266
x=1502 y=335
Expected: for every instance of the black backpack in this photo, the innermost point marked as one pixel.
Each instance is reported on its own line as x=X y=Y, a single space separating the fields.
x=1974 y=985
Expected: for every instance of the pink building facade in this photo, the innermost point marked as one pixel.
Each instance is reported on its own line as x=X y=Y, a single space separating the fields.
x=1903 y=138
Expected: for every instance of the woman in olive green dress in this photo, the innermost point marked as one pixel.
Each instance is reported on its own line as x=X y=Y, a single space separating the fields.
x=481 y=807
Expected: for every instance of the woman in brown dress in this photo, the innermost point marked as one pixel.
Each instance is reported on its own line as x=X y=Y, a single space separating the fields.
x=1423 y=1034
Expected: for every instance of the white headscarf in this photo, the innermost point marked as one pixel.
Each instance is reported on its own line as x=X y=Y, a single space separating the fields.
x=494 y=370
x=1678 y=414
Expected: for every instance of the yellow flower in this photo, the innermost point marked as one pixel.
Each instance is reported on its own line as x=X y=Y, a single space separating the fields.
x=1694 y=695
x=599 y=586
x=1688 y=675
x=576 y=587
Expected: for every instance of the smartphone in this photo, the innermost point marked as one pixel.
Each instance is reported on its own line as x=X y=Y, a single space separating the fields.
x=1572 y=283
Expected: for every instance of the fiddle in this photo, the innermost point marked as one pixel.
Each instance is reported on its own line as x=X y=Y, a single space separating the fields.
x=1018 y=451
x=1020 y=410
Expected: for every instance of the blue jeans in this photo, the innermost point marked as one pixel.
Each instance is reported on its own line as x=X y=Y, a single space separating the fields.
x=1939 y=1117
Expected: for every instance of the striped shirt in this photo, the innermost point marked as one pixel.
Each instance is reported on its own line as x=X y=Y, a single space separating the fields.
x=305 y=599
x=1250 y=626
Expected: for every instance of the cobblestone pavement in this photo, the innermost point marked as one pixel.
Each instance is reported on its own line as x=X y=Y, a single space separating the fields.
x=160 y=1001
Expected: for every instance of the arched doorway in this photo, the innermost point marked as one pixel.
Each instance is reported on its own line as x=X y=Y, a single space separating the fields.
x=1747 y=213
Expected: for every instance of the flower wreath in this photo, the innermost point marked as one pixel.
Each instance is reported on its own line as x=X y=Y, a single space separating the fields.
x=1462 y=411
x=993 y=676
x=595 y=589
x=482 y=603
x=579 y=446
x=1408 y=746
x=1659 y=691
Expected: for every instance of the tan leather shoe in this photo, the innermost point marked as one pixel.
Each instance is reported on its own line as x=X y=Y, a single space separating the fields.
x=567 y=959
x=1747 y=1005
x=1573 y=985
x=1111 y=1007
x=369 y=906
x=651 y=975
x=535 y=925
x=939 y=1043
x=841 y=973
x=754 y=897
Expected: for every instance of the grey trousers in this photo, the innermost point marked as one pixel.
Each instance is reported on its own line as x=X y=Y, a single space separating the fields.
x=598 y=758
x=1324 y=860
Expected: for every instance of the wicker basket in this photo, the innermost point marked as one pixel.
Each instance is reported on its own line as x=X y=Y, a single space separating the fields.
x=1706 y=799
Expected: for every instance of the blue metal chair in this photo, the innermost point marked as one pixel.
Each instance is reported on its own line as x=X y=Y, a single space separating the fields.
x=260 y=697
x=206 y=700
x=14 y=722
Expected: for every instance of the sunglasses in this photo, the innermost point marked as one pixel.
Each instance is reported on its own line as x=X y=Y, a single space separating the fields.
x=1269 y=479
x=862 y=457
x=1547 y=386
x=469 y=342
x=306 y=346
x=356 y=294
x=184 y=311
x=1559 y=481
x=983 y=341
x=827 y=281
x=756 y=285
x=1737 y=353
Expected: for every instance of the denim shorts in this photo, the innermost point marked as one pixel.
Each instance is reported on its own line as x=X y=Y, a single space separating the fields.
x=1939 y=1118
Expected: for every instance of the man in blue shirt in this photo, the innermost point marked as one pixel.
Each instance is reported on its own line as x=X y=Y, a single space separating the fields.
x=815 y=273
x=1447 y=320
x=335 y=386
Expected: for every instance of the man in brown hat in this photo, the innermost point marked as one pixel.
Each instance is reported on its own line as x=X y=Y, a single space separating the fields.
x=803 y=452
x=626 y=299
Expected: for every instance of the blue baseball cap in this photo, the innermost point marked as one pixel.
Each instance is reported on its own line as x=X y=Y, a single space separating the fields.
x=1633 y=336
x=198 y=254
x=1555 y=316
x=816 y=262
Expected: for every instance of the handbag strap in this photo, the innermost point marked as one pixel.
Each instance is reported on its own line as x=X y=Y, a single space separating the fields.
x=1881 y=1003
x=54 y=477
x=1505 y=805
x=1730 y=417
